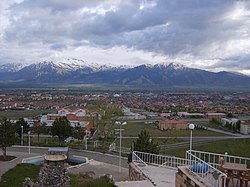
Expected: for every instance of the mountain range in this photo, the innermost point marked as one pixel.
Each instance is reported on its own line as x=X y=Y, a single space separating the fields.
x=78 y=71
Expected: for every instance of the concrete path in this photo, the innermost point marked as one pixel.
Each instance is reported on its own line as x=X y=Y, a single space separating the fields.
x=160 y=176
x=144 y=183
x=100 y=169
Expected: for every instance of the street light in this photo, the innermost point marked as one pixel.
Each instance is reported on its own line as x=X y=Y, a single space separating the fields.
x=86 y=139
x=29 y=140
x=21 y=135
x=191 y=127
x=120 y=132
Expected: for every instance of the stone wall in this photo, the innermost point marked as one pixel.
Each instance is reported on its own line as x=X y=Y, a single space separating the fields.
x=51 y=175
x=184 y=179
x=134 y=173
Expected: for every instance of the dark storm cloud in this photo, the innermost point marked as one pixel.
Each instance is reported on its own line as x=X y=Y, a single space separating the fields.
x=234 y=62
x=201 y=29
x=189 y=24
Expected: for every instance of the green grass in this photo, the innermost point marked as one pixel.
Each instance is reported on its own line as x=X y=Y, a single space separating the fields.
x=87 y=181
x=132 y=129
x=8 y=158
x=16 y=114
x=15 y=176
x=237 y=147
x=127 y=142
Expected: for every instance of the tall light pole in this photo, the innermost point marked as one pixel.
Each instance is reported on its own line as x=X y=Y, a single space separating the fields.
x=29 y=140
x=21 y=135
x=191 y=127
x=86 y=139
x=120 y=134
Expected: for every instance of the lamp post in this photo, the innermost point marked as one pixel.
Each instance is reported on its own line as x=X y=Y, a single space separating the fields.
x=191 y=127
x=21 y=135
x=86 y=139
x=120 y=135
x=29 y=140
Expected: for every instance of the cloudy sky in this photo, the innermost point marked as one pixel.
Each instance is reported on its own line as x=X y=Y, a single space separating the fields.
x=207 y=34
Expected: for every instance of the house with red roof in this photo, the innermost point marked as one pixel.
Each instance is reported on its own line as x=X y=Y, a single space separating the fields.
x=172 y=124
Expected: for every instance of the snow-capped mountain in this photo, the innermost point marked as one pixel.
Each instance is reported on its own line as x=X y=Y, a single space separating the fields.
x=11 y=67
x=73 y=70
x=173 y=66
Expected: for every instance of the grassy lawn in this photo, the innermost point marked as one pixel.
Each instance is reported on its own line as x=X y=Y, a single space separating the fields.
x=127 y=142
x=237 y=147
x=15 y=176
x=8 y=158
x=16 y=114
x=87 y=181
x=132 y=129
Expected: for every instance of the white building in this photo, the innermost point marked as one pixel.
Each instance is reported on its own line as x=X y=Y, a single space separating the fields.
x=245 y=127
x=232 y=121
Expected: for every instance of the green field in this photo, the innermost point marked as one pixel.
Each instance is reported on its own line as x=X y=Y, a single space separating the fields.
x=16 y=114
x=127 y=142
x=87 y=181
x=238 y=147
x=15 y=176
x=132 y=129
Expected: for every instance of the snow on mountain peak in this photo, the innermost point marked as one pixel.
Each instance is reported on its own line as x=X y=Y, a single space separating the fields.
x=176 y=66
x=11 y=67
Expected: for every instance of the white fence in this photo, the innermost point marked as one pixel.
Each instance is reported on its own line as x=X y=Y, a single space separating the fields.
x=113 y=147
x=204 y=171
x=158 y=160
x=215 y=159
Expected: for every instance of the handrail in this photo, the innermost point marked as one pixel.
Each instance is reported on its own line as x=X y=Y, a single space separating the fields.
x=204 y=171
x=216 y=159
x=161 y=160
x=112 y=145
x=133 y=160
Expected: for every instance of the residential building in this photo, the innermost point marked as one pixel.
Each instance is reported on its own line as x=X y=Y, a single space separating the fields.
x=215 y=115
x=190 y=115
x=76 y=118
x=172 y=124
x=232 y=121
x=245 y=127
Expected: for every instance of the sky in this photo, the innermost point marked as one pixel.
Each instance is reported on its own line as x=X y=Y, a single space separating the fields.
x=207 y=34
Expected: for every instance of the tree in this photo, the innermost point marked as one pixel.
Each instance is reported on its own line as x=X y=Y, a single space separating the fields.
x=7 y=135
x=61 y=128
x=145 y=143
x=238 y=124
x=38 y=128
x=19 y=123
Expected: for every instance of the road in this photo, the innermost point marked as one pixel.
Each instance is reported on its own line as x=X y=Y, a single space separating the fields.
x=101 y=157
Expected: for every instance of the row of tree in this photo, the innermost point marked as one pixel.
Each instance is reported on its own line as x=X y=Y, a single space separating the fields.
x=10 y=132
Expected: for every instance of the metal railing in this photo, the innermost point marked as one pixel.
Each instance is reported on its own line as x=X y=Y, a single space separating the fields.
x=115 y=148
x=204 y=171
x=160 y=160
x=136 y=159
x=216 y=159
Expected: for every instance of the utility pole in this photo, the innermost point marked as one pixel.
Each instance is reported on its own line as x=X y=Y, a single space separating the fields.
x=120 y=135
x=21 y=135
x=29 y=140
x=191 y=127
x=86 y=139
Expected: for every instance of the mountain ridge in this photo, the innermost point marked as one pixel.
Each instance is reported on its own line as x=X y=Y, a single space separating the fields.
x=79 y=71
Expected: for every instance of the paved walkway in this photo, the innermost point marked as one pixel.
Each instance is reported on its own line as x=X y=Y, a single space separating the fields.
x=144 y=183
x=160 y=176
x=100 y=169
x=5 y=166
